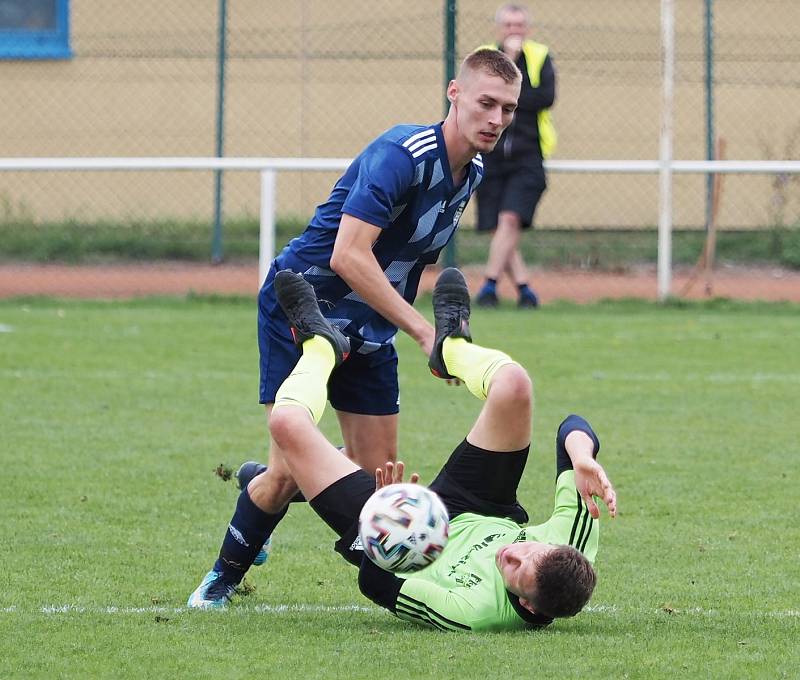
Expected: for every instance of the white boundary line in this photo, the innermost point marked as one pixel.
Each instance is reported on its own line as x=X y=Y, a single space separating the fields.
x=156 y=609
x=601 y=609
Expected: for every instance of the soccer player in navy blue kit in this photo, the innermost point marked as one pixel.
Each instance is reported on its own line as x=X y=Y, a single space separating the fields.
x=388 y=216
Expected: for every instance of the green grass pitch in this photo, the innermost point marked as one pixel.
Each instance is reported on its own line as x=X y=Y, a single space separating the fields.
x=114 y=415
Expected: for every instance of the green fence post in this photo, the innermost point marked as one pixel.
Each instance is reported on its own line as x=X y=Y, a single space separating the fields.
x=709 y=82
x=216 y=240
x=450 y=10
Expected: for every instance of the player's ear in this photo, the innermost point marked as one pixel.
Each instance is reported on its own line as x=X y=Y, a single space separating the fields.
x=452 y=91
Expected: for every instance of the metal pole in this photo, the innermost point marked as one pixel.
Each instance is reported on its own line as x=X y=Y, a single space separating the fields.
x=665 y=149
x=450 y=12
x=266 y=237
x=709 y=85
x=216 y=240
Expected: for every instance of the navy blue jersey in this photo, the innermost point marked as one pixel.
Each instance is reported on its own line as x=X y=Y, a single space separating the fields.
x=401 y=183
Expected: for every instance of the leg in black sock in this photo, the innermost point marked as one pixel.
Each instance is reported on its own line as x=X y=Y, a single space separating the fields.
x=248 y=530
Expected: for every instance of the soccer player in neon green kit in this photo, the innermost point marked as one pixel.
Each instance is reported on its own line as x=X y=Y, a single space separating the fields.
x=495 y=573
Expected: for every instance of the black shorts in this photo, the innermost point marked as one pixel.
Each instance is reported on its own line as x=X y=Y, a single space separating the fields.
x=472 y=480
x=512 y=185
x=340 y=505
x=483 y=482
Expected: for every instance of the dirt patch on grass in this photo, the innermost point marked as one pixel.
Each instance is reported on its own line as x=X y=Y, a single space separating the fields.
x=120 y=281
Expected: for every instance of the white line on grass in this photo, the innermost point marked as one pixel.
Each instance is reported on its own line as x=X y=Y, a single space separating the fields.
x=243 y=608
x=601 y=609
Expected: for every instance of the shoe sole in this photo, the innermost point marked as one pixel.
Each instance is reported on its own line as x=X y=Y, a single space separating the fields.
x=287 y=284
x=451 y=283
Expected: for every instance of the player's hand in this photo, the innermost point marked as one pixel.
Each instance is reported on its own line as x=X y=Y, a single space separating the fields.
x=591 y=480
x=425 y=335
x=392 y=473
x=426 y=345
x=426 y=340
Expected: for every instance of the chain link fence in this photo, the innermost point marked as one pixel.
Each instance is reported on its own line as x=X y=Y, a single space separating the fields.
x=320 y=79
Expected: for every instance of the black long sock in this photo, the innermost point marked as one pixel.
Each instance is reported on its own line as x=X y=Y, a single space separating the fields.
x=249 y=528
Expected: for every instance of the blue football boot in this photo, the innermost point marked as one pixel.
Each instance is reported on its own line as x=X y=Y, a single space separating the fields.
x=214 y=592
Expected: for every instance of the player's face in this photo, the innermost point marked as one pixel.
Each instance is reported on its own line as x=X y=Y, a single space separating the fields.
x=485 y=106
x=517 y=564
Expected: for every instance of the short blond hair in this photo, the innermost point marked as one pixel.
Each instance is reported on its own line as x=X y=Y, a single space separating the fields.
x=491 y=61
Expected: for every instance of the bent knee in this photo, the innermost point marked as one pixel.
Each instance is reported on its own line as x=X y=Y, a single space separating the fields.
x=515 y=387
x=509 y=221
x=284 y=423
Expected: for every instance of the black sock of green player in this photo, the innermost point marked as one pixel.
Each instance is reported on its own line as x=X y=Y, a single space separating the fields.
x=250 y=527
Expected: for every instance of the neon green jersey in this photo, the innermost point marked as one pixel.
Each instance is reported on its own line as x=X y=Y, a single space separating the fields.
x=463 y=589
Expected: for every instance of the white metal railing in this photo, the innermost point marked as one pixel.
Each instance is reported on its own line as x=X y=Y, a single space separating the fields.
x=259 y=163
x=269 y=167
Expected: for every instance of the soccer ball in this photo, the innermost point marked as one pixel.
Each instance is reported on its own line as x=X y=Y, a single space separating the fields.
x=403 y=527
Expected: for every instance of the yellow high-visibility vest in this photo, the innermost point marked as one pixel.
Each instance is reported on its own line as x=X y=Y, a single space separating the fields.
x=535 y=54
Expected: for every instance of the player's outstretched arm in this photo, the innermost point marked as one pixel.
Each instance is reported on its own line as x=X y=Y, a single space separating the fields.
x=355 y=262
x=577 y=439
x=579 y=477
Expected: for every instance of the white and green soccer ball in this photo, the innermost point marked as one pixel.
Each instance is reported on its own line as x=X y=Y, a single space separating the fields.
x=403 y=527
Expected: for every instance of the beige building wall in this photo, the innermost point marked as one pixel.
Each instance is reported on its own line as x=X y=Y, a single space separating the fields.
x=316 y=78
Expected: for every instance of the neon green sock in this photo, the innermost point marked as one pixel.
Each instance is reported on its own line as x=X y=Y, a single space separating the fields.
x=307 y=384
x=474 y=365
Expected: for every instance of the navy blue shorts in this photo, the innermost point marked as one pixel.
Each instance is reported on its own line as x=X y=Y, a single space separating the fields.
x=364 y=384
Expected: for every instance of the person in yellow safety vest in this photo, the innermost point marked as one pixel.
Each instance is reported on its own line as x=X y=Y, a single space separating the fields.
x=514 y=177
